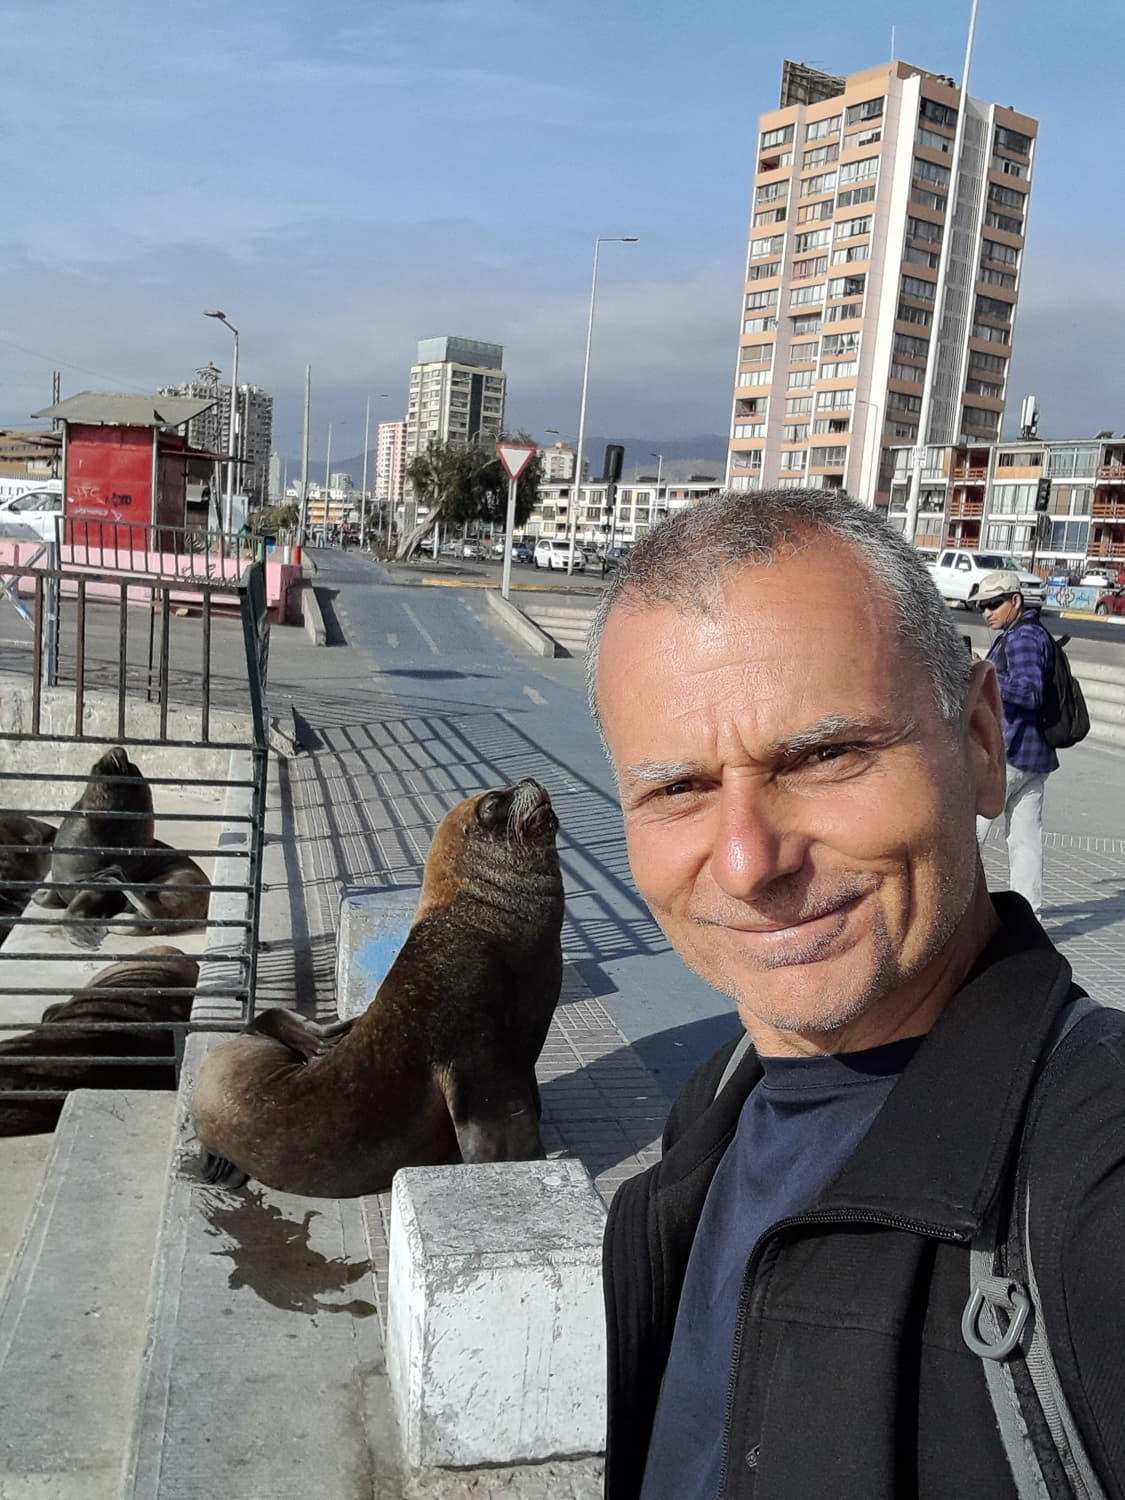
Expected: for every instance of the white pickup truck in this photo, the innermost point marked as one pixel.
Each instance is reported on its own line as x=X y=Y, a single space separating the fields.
x=958 y=573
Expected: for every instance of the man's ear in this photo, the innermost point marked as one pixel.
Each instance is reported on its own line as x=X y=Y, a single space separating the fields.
x=983 y=718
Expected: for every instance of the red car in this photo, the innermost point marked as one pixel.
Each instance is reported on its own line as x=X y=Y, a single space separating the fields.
x=1112 y=603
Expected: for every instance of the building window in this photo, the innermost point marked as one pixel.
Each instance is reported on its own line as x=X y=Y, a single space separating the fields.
x=768 y=216
x=798 y=406
x=979 y=420
x=847 y=286
x=937 y=114
x=810 y=212
x=802 y=327
x=816 y=130
x=914 y=286
x=815 y=239
x=993 y=364
x=997 y=278
x=801 y=353
x=926 y=199
x=764 y=270
x=870 y=109
x=1006 y=197
x=795 y=433
x=813 y=265
x=918 y=257
x=749 y=429
x=800 y=378
x=1009 y=168
x=820 y=156
x=761 y=299
x=915 y=374
x=992 y=307
x=851 y=253
x=1007 y=222
x=933 y=140
x=822 y=458
x=929 y=171
x=851 y=229
x=1007 y=255
x=908 y=313
x=779 y=137
x=793 y=459
x=770 y=244
x=835 y=400
x=840 y=343
x=801 y=295
x=823 y=182
x=851 y=197
x=923 y=229
x=751 y=353
x=1012 y=140
x=843 y=311
x=856 y=171
x=772 y=192
x=841 y=369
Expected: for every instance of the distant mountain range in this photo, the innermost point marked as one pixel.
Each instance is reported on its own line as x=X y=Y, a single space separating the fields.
x=683 y=457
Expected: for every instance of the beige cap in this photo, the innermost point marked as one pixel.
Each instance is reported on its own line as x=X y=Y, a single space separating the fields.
x=996 y=585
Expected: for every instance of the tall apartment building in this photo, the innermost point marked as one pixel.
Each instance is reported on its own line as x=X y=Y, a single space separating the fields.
x=457 y=389
x=390 y=461
x=870 y=191
x=210 y=429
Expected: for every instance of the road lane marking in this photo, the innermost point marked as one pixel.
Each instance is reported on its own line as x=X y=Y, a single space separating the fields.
x=536 y=697
x=421 y=629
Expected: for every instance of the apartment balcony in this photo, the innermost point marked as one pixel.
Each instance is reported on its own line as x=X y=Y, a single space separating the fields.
x=1107 y=547
x=1106 y=508
x=1112 y=471
x=966 y=508
x=971 y=471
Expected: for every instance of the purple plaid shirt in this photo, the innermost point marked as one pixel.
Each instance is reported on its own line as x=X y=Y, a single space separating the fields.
x=1024 y=658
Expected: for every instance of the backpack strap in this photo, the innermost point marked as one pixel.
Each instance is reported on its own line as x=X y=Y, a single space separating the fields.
x=741 y=1048
x=1003 y=1324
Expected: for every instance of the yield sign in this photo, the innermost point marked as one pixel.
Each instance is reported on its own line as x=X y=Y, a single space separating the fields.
x=515 y=457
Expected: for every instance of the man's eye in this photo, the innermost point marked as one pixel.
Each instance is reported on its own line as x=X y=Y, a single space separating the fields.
x=675 y=789
x=831 y=752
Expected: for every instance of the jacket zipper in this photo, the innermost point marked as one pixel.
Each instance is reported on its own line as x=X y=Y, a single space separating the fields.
x=796 y=1221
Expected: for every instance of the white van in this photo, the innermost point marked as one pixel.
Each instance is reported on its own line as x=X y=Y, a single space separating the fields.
x=550 y=553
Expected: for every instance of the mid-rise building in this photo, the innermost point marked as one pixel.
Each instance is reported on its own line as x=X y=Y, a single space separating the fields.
x=557 y=461
x=390 y=462
x=458 y=390
x=210 y=430
x=871 y=193
x=1056 y=505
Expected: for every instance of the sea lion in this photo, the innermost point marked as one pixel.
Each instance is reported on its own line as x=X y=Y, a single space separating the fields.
x=64 y=1036
x=25 y=858
x=93 y=848
x=184 y=894
x=441 y=1066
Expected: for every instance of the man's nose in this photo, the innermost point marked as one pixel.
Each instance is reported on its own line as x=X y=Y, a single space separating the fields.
x=755 y=841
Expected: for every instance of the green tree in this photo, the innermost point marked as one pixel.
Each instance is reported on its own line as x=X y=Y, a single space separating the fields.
x=463 y=482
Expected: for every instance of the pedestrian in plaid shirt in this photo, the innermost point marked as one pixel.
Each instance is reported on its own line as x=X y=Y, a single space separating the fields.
x=1024 y=658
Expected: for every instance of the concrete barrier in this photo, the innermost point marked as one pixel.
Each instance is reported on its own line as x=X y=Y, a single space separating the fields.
x=533 y=638
x=311 y=617
x=495 y=1328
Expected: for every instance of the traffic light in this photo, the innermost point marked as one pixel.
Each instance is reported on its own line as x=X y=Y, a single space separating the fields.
x=614 y=459
x=1043 y=494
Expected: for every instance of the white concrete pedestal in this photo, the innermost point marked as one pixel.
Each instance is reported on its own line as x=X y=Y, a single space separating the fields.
x=495 y=1327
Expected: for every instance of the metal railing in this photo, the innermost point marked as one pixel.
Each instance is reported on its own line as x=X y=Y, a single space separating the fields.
x=182 y=688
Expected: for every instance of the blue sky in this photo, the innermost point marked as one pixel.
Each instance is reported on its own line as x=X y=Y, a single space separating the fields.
x=346 y=178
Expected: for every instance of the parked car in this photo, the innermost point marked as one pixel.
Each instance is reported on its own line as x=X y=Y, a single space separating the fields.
x=39 y=509
x=550 y=553
x=1101 y=578
x=471 y=546
x=1112 y=603
x=958 y=573
x=614 y=558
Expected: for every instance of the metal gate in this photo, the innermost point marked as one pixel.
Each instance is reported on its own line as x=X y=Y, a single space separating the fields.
x=173 y=671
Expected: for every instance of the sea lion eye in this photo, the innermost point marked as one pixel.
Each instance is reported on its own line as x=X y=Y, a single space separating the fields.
x=491 y=809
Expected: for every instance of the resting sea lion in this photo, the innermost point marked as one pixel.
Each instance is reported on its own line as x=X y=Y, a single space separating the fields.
x=64 y=1036
x=441 y=1066
x=89 y=859
x=23 y=864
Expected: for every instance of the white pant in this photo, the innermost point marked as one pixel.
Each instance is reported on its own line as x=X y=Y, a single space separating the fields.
x=1023 y=829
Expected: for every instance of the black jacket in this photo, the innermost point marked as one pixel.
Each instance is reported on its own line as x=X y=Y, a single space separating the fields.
x=850 y=1378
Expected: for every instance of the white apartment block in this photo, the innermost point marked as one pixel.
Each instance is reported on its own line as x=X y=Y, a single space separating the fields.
x=390 y=461
x=638 y=508
x=254 y=432
x=458 y=390
x=871 y=192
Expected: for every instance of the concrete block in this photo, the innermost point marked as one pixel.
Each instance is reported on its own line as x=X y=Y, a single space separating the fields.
x=72 y=1320
x=495 y=1328
x=372 y=929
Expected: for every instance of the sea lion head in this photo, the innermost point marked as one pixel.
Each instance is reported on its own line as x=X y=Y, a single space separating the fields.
x=522 y=813
x=117 y=795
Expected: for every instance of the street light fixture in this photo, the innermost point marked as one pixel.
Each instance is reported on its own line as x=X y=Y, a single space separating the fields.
x=232 y=425
x=609 y=239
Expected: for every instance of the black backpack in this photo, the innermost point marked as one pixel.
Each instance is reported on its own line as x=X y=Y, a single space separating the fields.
x=1064 y=717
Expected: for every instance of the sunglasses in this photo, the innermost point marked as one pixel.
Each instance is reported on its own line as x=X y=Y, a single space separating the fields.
x=987 y=604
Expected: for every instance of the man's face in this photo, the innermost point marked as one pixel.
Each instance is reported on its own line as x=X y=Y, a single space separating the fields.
x=799 y=817
x=999 y=613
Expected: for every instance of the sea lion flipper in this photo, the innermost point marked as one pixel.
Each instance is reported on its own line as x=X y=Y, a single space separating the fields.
x=506 y=1128
x=220 y=1172
x=306 y=1038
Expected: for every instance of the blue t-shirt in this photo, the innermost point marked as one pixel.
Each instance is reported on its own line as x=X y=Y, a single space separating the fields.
x=797 y=1128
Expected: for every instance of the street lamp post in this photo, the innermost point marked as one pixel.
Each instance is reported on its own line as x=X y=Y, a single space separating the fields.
x=659 y=472
x=228 y=508
x=610 y=239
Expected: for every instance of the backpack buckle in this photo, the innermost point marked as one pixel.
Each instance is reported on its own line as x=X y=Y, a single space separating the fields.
x=1000 y=1295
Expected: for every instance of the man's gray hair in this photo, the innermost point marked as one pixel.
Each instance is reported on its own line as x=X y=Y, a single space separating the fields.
x=683 y=561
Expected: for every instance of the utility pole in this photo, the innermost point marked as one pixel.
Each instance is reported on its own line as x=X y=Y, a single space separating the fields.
x=303 y=521
x=363 y=491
